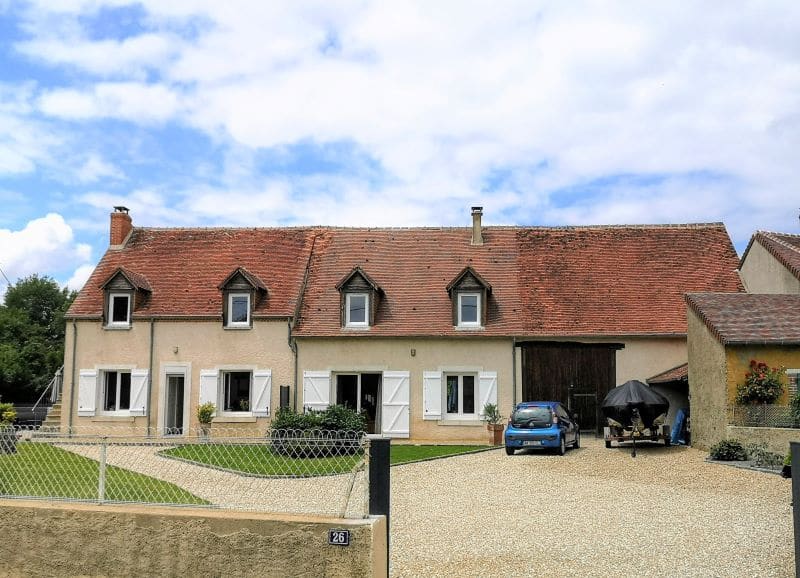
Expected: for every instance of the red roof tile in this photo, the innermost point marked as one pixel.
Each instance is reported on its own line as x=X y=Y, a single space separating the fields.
x=680 y=373
x=783 y=246
x=748 y=318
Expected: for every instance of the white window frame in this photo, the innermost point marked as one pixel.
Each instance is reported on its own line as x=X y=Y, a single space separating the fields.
x=111 y=299
x=348 y=299
x=475 y=392
x=477 y=322
x=223 y=377
x=231 y=322
x=104 y=373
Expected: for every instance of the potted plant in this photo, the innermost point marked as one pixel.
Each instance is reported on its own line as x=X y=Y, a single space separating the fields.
x=8 y=435
x=205 y=413
x=492 y=416
x=787 y=465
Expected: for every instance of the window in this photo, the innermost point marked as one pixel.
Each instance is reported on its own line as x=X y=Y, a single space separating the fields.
x=119 y=306
x=236 y=390
x=116 y=391
x=239 y=310
x=469 y=310
x=460 y=395
x=356 y=306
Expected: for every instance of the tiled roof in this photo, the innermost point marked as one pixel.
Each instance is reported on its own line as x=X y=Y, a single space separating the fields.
x=749 y=318
x=620 y=280
x=184 y=268
x=680 y=373
x=138 y=281
x=783 y=246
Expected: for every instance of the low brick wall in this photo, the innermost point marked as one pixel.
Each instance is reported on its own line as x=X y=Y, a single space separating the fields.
x=776 y=438
x=66 y=539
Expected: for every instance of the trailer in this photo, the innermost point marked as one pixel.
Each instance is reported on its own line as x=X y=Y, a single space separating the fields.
x=634 y=412
x=617 y=433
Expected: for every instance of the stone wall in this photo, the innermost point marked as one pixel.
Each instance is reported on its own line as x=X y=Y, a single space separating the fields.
x=777 y=439
x=64 y=539
x=707 y=385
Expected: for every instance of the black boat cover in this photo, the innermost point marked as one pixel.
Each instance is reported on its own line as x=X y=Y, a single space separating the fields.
x=620 y=402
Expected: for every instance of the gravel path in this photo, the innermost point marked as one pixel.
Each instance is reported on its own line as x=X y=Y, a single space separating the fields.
x=593 y=512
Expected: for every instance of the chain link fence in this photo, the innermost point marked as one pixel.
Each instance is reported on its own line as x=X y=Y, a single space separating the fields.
x=304 y=472
x=762 y=415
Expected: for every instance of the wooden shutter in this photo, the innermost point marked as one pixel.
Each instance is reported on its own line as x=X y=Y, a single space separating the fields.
x=87 y=392
x=262 y=392
x=316 y=389
x=139 y=400
x=487 y=389
x=208 y=386
x=395 y=407
x=431 y=395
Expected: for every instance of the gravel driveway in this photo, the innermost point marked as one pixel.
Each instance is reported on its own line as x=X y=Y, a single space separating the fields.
x=593 y=512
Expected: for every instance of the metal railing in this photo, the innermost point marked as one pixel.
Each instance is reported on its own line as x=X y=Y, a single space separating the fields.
x=53 y=388
x=324 y=473
x=762 y=415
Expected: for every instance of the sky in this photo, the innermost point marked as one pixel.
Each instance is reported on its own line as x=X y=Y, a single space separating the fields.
x=407 y=113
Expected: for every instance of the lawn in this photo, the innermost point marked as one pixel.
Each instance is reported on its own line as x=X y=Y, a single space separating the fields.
x=42 y=470
x=261 y=460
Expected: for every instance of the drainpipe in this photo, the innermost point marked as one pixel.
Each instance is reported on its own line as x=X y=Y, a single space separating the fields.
x=150 y=377
x=296 y=351
x=72 y=377
x=513 y=372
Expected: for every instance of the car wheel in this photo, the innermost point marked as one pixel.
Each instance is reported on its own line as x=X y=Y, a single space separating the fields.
x=509 y=451
x=577 y=440
x=562 y=446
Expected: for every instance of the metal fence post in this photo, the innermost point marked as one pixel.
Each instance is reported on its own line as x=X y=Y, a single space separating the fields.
x=380 y=483
x=101 y=482
x=795 y=450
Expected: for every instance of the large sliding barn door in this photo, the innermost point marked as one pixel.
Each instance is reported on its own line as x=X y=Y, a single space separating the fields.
x=576 y=374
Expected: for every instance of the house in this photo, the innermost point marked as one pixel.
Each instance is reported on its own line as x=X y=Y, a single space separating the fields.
x=771 y=263
x=416 y=327
x=726 y=332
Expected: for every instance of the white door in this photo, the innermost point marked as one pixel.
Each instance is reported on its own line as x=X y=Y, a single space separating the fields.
x=396 y=394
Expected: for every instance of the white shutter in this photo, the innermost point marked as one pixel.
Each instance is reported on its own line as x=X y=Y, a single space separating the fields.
x=432 y=395
x=395 y=393
x=487 y=389
x=87 y=392
x=316 y=389
x=208 y=387
x=139 y=392
x=262 y=391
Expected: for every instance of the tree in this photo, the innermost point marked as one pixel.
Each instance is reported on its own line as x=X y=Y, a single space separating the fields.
x=31 y=336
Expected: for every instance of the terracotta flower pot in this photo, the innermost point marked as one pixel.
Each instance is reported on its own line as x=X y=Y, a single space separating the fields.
x=495 y=433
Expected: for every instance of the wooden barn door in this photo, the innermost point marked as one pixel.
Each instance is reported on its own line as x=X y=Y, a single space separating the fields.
x=576 y=374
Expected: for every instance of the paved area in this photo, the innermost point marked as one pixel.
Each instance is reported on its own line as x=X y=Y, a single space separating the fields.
x=593 y=512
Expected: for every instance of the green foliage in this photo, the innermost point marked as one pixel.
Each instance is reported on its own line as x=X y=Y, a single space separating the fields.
x=794 y=403
x=491 y=413
x=762 y=384
x=334 y=431
x=728 y=450
x=31 y=336
x=762 y=457
x=7 y=414
x=401 y=454
x=787 y=461
x=205 y=412
x=335 y=418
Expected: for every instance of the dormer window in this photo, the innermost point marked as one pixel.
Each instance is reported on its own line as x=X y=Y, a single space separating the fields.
x=125 y=292
x=357 y=306
x=469 y=293
x=242 y=293
x=359 y=299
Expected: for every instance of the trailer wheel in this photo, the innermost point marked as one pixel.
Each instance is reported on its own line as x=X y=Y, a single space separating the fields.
x=667 y=442
x=608 y=443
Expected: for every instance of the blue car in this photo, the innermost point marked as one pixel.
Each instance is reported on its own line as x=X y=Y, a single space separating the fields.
x=542 y=424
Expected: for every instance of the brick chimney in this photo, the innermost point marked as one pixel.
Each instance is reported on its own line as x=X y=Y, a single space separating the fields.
x=121 y=226
x=477 y=234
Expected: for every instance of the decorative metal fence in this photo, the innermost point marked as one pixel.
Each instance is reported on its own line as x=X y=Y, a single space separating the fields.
x=316 y=472
x=762 y=415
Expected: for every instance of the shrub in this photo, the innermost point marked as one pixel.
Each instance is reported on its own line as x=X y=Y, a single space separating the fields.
x=335 y=418
x=787 y=461
x=762 y=384
x=205 y=412
x=728 y=450
x=762 y=457
x=333 y=432
x=7 y=414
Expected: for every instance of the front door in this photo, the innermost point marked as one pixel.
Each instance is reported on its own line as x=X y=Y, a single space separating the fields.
x=361 y=392
x=173 y=418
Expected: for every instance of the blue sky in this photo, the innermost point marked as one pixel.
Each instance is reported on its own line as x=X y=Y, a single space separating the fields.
x=203 y=113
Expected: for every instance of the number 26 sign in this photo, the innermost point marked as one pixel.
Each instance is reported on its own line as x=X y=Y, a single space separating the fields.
x=339 y=537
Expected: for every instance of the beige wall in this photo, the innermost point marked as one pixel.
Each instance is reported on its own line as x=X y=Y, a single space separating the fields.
x=373 y=355
x=763 y=273
x=59 y=539
x=191 y=345
x=707 y=385
x=776 y=439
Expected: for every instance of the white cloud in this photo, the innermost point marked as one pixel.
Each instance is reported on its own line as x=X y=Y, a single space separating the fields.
x=123 y=100
x=95 y=168
x=79 y=277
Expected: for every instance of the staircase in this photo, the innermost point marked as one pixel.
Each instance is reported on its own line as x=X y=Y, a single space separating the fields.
x=53 y=420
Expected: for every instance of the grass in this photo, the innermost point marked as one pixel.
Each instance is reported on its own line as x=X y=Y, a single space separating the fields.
x=42 y=470
x=260 y=460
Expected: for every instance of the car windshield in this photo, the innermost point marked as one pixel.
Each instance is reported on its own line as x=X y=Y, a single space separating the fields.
x=537 y=415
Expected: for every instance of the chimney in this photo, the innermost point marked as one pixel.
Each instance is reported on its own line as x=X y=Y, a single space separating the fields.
x=121 y=226
x=477 y=234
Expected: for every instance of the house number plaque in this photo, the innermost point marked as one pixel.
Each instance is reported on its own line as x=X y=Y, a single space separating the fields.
x=339 y=537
